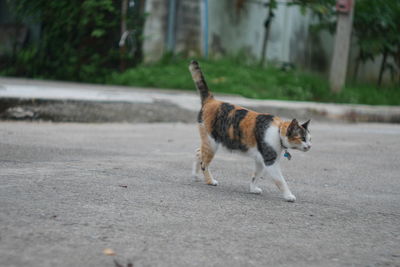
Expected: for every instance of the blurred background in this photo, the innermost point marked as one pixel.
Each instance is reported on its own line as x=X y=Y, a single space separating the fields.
x=277 y=49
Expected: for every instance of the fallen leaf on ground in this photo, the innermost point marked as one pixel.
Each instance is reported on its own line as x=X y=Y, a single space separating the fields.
x=109 y=252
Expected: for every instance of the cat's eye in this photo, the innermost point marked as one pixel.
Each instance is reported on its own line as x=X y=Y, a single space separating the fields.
x=303 y=139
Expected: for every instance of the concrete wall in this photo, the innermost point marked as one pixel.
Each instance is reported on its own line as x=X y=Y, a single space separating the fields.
x=232 y=31
x=369 y=72
x=184 y=33
x=155 y=30
x=188 y=35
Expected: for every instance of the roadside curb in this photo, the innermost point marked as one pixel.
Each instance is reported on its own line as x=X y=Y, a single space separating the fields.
x=24 y=99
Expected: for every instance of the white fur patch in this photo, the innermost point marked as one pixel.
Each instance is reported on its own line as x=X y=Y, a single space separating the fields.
x=272 y=138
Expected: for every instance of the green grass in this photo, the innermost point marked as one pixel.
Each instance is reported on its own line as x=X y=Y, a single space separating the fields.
x=230 y=76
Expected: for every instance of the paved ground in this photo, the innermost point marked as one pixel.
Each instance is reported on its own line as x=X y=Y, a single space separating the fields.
x=68 y=191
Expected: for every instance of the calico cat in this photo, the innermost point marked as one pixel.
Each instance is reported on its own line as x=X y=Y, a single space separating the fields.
x=261 y=136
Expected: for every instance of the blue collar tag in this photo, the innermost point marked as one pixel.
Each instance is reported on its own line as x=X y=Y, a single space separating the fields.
x=287 y=155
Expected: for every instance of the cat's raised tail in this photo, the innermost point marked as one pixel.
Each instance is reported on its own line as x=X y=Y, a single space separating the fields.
x=199 y=81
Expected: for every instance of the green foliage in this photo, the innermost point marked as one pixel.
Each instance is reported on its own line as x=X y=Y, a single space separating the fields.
x=323 y=9
x=233 y=77
x=79 y=39
x=376 y=26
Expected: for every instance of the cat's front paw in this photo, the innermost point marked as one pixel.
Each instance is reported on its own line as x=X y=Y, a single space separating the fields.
x=213 y=182
x=255 y=190
x=289 y=197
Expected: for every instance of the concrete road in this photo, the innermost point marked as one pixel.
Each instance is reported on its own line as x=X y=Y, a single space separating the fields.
x=69 y=191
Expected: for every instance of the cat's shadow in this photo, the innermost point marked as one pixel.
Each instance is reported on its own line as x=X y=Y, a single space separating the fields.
x=230 y=190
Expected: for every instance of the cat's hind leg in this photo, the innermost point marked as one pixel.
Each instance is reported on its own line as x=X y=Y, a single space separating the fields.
x=276 y=173
x=207 y=151
x=257 y=174
x=196 y=166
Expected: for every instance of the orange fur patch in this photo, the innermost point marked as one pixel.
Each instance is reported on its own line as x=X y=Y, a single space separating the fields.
x=295 y=140
x=247 y=125
x=283 y=127
x=206 y=154
x=277 y=121
x=210 y=109
x=231 y=133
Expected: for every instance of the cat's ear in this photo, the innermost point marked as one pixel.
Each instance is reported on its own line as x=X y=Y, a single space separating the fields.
x=305 y=125
x=294 y=124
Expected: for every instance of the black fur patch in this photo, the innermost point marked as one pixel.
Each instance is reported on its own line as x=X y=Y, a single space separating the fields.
x=203 y=89
x=298 y=131
x=223 y=122
x=200 y=116
x=263 y=122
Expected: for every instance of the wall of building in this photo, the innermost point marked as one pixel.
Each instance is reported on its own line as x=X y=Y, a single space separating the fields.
x=155 y=30
x=232 y=31
x=180 y=33
x=188 y=34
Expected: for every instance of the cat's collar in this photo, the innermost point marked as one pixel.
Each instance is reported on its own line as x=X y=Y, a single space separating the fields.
x=287 y=154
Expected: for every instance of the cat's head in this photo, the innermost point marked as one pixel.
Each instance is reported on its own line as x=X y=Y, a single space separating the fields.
x=297 y=136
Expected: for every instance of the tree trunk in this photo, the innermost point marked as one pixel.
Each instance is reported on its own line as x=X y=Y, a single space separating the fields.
x=358 y=60
x=267 y=26
x=337 y=75
x=396 y=57
x=382 y=69
x=122 y=48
